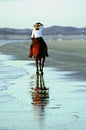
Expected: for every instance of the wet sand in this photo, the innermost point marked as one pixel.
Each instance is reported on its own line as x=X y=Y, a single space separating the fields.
x=60 y=105
x=65 y=55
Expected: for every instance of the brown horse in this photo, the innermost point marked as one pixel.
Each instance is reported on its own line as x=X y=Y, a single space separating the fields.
x=39 y=54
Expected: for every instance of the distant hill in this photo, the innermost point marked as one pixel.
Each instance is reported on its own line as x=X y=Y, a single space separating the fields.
x=11 y=33
x=15 y=31
x=55 y=30
x=15 y=34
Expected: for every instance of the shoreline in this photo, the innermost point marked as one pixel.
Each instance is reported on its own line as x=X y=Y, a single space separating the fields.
x=21 y=105
x=63 y=55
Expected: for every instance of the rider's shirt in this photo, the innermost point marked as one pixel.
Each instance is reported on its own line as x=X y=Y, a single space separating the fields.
x=37 y=33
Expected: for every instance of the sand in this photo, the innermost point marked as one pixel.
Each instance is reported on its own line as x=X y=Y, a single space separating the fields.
x=65 y=55
x=61 y=105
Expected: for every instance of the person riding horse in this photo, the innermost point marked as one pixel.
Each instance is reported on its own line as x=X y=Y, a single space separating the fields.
x=37 y=37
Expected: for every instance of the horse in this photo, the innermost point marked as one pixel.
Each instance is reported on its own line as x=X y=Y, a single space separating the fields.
x=39 y=55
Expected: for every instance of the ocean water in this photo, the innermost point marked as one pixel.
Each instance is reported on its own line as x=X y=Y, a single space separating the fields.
x=48 y=102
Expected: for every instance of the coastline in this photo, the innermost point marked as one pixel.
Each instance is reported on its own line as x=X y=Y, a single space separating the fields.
x=63 y=55
x=19 y=102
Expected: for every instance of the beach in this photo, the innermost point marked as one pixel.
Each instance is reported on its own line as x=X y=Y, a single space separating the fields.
x=65 y=55
x=62 y=106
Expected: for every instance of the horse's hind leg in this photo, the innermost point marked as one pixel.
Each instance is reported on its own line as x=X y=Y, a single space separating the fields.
x=42 y=65
x=43 y=60
x=41 y=69
x=37 y=71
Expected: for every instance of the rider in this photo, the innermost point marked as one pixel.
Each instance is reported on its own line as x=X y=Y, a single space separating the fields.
x=37 y=36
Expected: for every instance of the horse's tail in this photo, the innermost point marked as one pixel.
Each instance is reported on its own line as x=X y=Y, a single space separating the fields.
x=36 y=50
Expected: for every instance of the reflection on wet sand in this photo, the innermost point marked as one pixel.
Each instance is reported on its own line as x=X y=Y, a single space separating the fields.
x=40 y=98
x=40 y=94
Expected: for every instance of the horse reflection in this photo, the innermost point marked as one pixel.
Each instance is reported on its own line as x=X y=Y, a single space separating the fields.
x=40 y=94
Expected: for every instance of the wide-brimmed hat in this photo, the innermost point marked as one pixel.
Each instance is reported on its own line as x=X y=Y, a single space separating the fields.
x=39 y=23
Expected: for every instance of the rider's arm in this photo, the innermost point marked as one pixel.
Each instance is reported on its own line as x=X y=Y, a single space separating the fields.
x=33 y=33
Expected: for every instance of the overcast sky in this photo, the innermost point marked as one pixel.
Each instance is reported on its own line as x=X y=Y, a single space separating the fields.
x=24 y=13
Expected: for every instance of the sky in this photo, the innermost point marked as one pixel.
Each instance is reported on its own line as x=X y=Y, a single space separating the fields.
x=25 y=13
